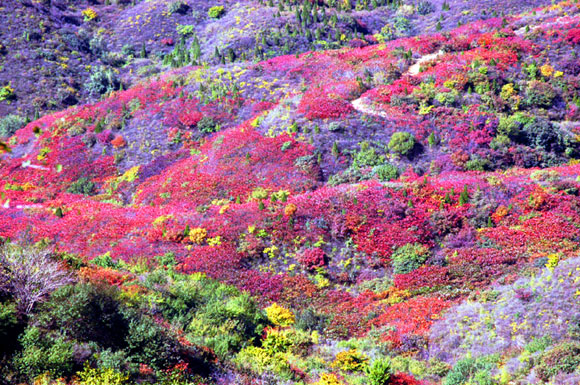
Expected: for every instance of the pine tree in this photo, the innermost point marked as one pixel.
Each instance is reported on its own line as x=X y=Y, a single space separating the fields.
x=231 y=55
x=431 y=139
x=464 y=196
x=447 y=198
x=335 y=151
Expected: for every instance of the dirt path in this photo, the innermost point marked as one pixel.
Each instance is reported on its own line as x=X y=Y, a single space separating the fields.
x=362 y=105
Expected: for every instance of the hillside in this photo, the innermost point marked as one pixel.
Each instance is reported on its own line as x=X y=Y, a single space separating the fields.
x=315 y=193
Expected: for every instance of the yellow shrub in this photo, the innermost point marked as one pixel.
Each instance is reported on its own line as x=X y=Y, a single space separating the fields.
x=90 y=376
x=89 y=14
x=197 y=235
x=553 y=260
x=507 y=91
x=279 y=316
x=215 y=241
x=350 y=360
x=290 y=209
x=547 y=70
x=328 y=379
x=260 y=360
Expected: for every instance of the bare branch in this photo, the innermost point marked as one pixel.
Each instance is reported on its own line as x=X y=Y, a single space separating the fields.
x=29 y=273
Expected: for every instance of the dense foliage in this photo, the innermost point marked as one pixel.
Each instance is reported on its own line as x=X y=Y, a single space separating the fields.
x=329 y=192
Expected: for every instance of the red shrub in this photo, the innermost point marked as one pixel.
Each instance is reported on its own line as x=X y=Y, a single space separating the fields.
x=310 y=259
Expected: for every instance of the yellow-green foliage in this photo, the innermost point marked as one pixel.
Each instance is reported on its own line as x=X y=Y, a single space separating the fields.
x=405 y=364
x=260 y=360
x=260 y=193
x=215 y=12
x=350 y=361
x=280 y=316
x=287 y=341
x=91 y=376
x=276 y=341
x=6 y=93
x=328 y=379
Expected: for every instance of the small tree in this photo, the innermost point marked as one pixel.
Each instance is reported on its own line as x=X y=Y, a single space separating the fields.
x=29 y=273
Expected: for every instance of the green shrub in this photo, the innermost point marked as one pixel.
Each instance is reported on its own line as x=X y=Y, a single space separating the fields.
x=88 y=313
x=564 y=357
x=177 y=6
x=425 y=7
x=8 y=323
x=82 y=186
x=539 y=94
x=509 y=126
x=402 y=24
x=186 y=30
x=367 y=156
x=10 y=124
x=379 y=372
x=110 y=359
x=542 y=133
x=147 y=342
x=461 y=372
x=386 y=172
x=310 y=320
x=207 y=125
x=401 y=142
x=500 y=143
x=216 y=12
x=409 y=257
x=477 y=164
x=473 y=371
x=104 y=260
x=225 y=320
x=300 y=341
x=446 y=98
x=43 y=353
x=103 y=80
x=539 y=344
x=438 y=368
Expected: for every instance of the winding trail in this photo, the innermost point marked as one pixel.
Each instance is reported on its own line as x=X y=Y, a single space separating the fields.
x=362 y=104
